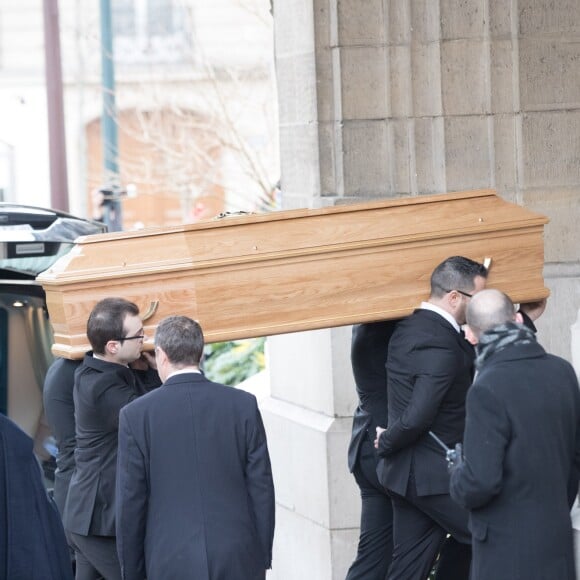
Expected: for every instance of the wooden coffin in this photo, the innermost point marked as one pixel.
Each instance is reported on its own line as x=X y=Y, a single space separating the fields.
x=288 y=271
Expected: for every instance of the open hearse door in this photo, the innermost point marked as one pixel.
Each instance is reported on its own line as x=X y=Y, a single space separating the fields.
x=31 y=240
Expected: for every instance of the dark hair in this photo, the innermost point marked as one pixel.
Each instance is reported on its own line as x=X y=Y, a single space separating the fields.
x=107 y=321
x=489 y=308
x=181 y=338
x=455 y=273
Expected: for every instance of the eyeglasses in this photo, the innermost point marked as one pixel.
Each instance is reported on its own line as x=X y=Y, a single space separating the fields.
x=460 y=292
x=137 y=337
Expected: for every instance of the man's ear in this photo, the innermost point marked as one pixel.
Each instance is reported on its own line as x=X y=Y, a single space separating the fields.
x=470 y=335
x=519 y=318
x=453 y=299
x=160 y=355
x=112 y=347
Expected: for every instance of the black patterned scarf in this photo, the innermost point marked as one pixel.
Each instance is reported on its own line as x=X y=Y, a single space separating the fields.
x=498 y=337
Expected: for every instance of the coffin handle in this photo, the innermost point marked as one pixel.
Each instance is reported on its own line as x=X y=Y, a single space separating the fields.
x=151 y=310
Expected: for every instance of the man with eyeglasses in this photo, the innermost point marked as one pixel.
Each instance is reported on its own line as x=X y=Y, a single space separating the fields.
x=429 y=370
x=104 y=383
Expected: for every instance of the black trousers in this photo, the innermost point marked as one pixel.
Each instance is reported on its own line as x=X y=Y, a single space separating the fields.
x=375 y=546
x=96 y=557
x=421 y=525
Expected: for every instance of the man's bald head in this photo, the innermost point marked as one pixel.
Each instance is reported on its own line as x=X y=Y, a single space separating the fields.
x=487 y=309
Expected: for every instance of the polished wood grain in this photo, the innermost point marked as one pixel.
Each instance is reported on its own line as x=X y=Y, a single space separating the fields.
x=296 y=270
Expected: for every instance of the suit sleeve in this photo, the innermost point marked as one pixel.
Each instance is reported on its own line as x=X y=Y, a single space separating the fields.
x=146 y=381
x=131 y=503
x=574 y=477
x=435 y=374
x=114 y=396
x=487 y=433
x=260 y=486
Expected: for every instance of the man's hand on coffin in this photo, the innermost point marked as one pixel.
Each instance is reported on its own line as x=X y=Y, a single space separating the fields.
x=144 y=362
x=534 y=309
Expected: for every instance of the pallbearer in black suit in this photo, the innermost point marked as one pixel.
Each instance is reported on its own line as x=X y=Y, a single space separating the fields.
x=104 y=383
x=519 y=475
x=60 y=414
x=369 y=347
x=194 y=485
x=59 y=409
x=429 y=370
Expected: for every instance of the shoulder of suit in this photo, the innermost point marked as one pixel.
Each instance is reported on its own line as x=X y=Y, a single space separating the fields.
x=234 y=395
x=424 y=325
x=223 y=392
x=102 y=376
x=98 y=365
x=561 y=361
x=420 y=318
x=138 y=403
x=232 y=392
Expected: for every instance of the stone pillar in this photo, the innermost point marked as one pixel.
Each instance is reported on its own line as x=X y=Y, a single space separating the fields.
x=308 y=421
x=394 y=98
x=309 y=414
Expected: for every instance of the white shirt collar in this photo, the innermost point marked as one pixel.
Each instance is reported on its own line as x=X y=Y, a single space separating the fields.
x=183 y=372
x=441 y=312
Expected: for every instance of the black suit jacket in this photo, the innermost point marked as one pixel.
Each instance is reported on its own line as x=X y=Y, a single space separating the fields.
x=59 y=409
x=429 y=370
x=368 y=354
x=60 y=416
x=520 y=473
x=101 y=390
x=195 y=490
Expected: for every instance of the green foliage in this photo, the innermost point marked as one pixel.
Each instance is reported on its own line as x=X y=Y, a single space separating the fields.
x=231 y=363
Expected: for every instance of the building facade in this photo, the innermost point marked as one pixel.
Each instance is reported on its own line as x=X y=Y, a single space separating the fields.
x=195 y=106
